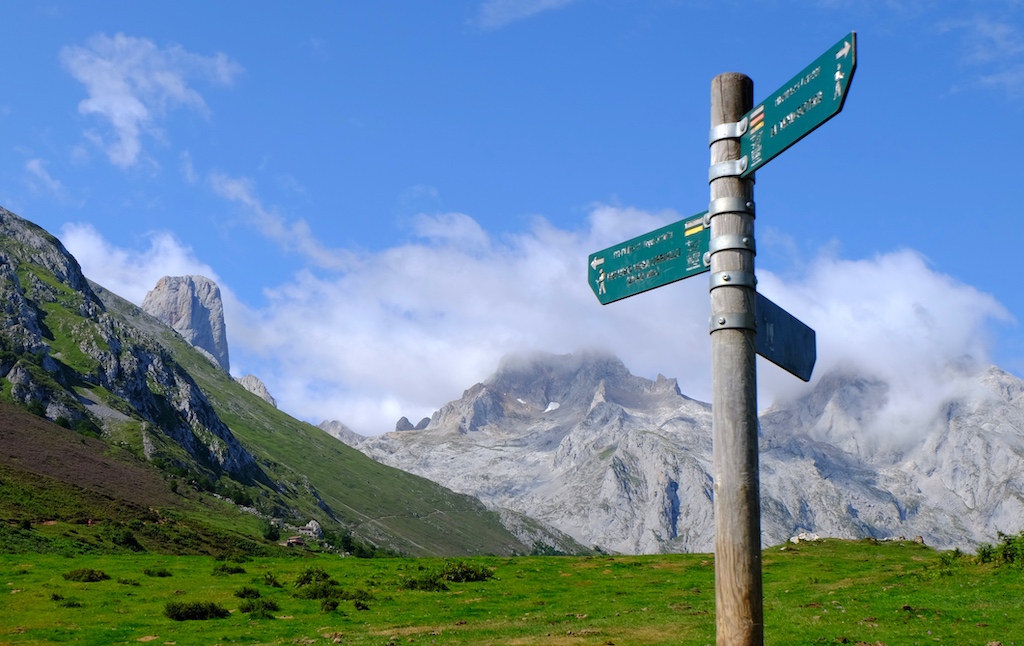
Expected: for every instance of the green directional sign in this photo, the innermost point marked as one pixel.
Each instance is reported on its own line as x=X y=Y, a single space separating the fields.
x=663 y=256
x=808 y=100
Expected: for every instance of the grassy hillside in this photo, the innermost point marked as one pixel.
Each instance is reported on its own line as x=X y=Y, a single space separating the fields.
x=831 y=592
x=65 y=493
x=378 y=503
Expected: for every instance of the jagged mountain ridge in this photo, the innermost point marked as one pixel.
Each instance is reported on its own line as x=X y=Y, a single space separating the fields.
x=81 y=356
x=562 y=439
x=625 y=463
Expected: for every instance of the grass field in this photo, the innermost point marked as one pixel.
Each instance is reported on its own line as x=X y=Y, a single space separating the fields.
x=815 y=593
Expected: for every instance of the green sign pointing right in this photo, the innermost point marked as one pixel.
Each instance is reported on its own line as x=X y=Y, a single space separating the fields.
x=808 y=100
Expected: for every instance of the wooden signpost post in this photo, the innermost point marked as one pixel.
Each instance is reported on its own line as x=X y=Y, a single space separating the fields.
x=743 y=323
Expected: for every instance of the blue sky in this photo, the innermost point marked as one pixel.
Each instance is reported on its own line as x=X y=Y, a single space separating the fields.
x=392 y=195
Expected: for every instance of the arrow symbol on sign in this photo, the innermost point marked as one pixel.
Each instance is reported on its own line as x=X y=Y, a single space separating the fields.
x=596 y=262
x=845 y=51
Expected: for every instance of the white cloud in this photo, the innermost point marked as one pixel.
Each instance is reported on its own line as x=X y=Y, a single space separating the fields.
x=40 y=179
x=891 y=317
x=987 y=39
x=292 y=237
x=132 y=84
x=495 y=14
x=126 y=272
x=406 y=329
x=995 y=47
x=188 y=169
x=411 y=327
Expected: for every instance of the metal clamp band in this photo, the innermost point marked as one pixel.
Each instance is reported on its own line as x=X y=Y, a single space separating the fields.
x=732 y=321
x=730 y=168
x=727 y=131
x=732 y=279
x=740 y=243
x=730 y=205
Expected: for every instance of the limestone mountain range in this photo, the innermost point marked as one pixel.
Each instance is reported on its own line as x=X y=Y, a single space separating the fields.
x=566 y=450
x=624 y=463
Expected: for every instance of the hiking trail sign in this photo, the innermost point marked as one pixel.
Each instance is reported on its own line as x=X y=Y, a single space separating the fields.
x=808 y=100
x=673 y=252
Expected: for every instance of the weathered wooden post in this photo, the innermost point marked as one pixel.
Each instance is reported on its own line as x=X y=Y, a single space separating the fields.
x=721 y=240
x=738 y=600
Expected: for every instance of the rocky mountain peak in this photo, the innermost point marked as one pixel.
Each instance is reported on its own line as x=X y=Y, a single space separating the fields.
x=545 y=386
x=192 y=306
x=404 y=424
x=255 y=385
x=340 y=431
x=32 y=243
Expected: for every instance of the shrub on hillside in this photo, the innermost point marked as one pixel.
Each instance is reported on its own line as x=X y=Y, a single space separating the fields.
x=247 y=592
x=320 y=590
x=268 y=578
x=194 y=610
x=1009 y=551
x=119 y=535
x=157 y=572
x=462 y=572
x=224 y=569
x=270 y=531
x=85 y=575
x=329 y=605
x=259 y=608
x=431 y=582
x=313 y=575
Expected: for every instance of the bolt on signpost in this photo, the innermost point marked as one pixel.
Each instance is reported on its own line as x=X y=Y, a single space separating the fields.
x=743 y=323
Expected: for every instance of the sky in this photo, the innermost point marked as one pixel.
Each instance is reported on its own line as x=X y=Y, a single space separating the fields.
x=393 y=195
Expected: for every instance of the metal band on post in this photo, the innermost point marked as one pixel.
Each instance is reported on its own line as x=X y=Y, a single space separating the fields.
x=732 y=279
x=728 y=168
x=733 y=242
x=732 y=321
x=730 y=205
x=733 y=130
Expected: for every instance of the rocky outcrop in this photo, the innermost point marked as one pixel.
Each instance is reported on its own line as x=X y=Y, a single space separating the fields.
x=340 y=431
x=404 y=424
x=253 y=384
x=625 y=463
x=69 y=354
x=192 y=306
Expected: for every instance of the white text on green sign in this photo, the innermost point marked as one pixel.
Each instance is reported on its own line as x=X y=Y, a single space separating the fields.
x=663 y=256
x=808 y=100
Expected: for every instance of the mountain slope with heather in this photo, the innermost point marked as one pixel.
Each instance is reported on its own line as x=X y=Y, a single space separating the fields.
x=85 y=359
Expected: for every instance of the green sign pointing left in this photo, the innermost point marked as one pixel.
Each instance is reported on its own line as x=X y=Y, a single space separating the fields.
x=663 y=256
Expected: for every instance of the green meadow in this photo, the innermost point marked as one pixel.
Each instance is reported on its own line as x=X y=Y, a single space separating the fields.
x=827 y=592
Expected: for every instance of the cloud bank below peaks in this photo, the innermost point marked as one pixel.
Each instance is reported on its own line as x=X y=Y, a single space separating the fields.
x=892 y=318
x=400 y=331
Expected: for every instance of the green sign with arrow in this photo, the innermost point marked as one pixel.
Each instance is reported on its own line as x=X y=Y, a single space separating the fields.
x=663 y=256
x=808 y=100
